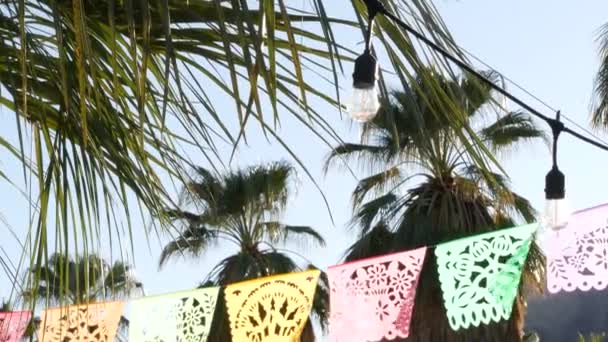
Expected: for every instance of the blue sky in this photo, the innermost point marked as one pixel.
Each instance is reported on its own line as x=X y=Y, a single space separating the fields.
x=547 y=46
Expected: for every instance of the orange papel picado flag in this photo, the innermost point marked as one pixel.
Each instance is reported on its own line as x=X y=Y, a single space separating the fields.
x=93 y=322
x=272 y=309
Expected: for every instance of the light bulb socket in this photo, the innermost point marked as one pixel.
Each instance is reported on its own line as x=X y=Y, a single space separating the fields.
x=374 y=7
x=555 y=184
x=366 y=71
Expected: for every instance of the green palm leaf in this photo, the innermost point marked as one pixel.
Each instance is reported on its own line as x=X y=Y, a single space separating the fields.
x=513 y=128
x=113 y=90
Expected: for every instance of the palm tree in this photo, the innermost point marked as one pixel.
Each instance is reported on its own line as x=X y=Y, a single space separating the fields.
x=426 y=191
x=87 y=280
x=243 y=208
x=6 y=306
x=81 y=280
x=599 y=117
x=111 y=90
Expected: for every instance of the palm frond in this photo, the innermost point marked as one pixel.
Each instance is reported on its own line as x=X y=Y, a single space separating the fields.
x=250 y=265
x=524 y=208
x=476 y=94
x=361 y=153
x=277 y=232
x=511 y=129
x=599 y=104
x=66 y=280
x=535 y=271
x=373 y=211
x=258 y=188
x=206 y=188
x=377 y=184
x=113 y=91
x=320 y=305
x=104 y=88
x=377 y=241
x=192 y=243
x=509 y=206
x=119 y=281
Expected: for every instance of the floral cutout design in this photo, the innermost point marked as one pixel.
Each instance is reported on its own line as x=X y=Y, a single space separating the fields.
x=272 y=309
x=373 y=299
x=480 y=275
x=577 y=256
x=13 y=325
x=94 y=323
x=181 y=317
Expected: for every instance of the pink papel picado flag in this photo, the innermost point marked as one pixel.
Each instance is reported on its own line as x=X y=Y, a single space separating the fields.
x=13 y=325
x=373 y=299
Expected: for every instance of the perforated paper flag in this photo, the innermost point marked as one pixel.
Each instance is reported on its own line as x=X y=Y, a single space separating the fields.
x=272 y=309
x=480 y=275
x=373 y=299
x=184 y=316
x=13 y=325
x=577 y=256
x=92 y=323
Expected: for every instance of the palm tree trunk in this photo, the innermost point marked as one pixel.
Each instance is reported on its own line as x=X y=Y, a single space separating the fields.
x=308 y=333
x=220 y=327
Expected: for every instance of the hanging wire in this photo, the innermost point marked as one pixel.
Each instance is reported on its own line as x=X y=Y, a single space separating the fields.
x=511 y=81
x=375 y=6
x=529 y=93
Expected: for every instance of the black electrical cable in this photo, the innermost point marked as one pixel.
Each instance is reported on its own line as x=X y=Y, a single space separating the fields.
x=375 y=7
x=518 y=86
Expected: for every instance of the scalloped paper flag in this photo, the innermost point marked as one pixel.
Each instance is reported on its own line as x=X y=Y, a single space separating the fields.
x=13 y=325
x=577 y=256
x=480 y=275
x=94 y=323
x=271 y=309
x=180 y=316
x=373 y=299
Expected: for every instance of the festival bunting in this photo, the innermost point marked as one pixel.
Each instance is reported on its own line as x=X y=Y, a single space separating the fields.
x=370 y=300
x=93 y=323
x=183 y=316
x=480 y=275
x=13 y=325
x=272 y=309
x=373 y=299
x=577 y=255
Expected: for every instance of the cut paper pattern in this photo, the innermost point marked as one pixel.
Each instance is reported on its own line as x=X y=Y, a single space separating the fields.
x=373 y=299
x=92 y=323
x=272 y=309
x=480 y=275
x=577 y=256
x=181 y=317
x=13 y=325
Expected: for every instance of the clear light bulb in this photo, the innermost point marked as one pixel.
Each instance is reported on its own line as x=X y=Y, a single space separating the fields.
x=556 y=215
x=364 y=104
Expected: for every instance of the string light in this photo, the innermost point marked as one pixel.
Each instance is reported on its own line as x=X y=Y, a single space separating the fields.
x=557 y=209
x=364 y=103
